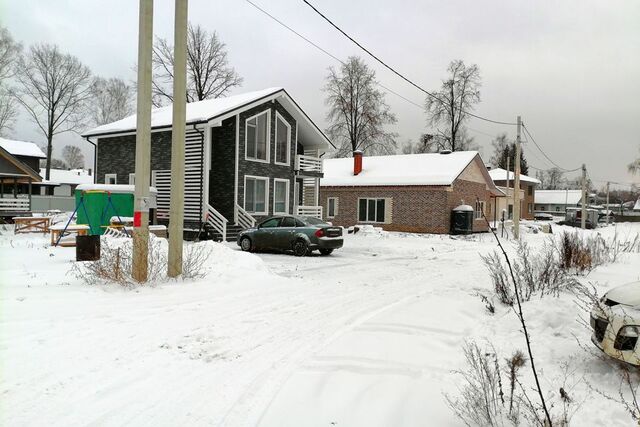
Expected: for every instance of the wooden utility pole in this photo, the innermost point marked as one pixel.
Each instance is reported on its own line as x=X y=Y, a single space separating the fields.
x=583 y=214
x=176 y=207
x=143 y=145
x=608 y=209
x=516 y=185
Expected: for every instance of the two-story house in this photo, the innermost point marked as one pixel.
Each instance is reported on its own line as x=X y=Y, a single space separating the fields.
x=247 y=157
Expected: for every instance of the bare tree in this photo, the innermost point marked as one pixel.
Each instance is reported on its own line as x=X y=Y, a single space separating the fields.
x=457 y=95
x=54 y=88
x=209 y=74
x=427 y=143
x=357 y=110
x=9 y=52
x=73 y=156
x=634 y=167
x=112 y=99
x=551 y=179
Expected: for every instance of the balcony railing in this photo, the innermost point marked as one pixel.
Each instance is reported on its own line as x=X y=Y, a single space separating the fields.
x=308 y=163
x=14 y=205
x=314 y=211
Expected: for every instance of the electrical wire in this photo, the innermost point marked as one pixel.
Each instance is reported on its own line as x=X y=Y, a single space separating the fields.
x=420 y=88
x=545 y=154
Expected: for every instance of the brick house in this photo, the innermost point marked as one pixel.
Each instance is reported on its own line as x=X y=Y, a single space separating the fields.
x=412 y=193
x=506 y=185
x=247 y=157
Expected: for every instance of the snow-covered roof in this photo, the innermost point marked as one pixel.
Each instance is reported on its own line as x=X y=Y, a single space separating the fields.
x=111 y=188
x=558 y=197
x=217 y=109
x=63 y=176
x=499 y=174
x=21 y=148
x=405 y=169
x=636 y=207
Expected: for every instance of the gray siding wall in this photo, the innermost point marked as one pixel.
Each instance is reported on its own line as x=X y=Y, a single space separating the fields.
x=270 y=170
x=118 y=155
x=223 y=167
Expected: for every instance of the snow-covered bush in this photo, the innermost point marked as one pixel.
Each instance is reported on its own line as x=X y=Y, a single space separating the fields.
x=535 y=273
x=492 y=393
x=116 y=262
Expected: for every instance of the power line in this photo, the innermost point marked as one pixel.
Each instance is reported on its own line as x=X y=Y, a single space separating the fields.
x=396 y=72
x=545 y=154
x=326 y=52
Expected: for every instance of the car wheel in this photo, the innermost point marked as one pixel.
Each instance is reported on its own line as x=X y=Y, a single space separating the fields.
x=300 y=248
x=245 y=244
x=326 y=251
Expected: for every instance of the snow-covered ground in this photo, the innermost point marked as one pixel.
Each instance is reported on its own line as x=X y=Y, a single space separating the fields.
x=368 y=336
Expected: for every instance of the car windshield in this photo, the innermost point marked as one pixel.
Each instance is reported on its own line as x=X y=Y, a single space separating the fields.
x=312 y=220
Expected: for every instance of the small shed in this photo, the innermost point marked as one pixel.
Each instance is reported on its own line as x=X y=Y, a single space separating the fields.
x=101 y=202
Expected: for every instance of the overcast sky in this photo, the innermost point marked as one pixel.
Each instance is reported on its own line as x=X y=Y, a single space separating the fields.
x=571 y=69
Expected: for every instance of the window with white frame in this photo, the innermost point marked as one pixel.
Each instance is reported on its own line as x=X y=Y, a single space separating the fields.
x=332 y=207
x=132 y=179
x=283 y=140
x=477 y=214
x=371 y=210
x=280 y=196
x=257 y=137
x=256 y=190
x=111 y=178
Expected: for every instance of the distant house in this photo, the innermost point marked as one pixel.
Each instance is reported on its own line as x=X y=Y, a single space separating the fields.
x=412 y=193
x=65 y=181
x=247 y=157
x=19 y=163
x=505 y=182
x=557 y=201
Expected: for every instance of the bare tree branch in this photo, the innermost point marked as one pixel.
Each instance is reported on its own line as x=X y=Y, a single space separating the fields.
x=54 y=88
x=112 y=99
x=209 y=74
x=73 y=157
x=357 y=111
x=457 y=95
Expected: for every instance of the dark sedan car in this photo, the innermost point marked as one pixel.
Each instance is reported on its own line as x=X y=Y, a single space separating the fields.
x=300 y=234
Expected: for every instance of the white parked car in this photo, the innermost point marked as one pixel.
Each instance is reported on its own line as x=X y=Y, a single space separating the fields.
x=615 y=321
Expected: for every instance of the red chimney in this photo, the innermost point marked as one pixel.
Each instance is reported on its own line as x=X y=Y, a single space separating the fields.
x=357 y=162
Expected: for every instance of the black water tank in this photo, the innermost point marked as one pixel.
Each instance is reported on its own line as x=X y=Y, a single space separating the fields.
x=462 y=220
x=87 y=248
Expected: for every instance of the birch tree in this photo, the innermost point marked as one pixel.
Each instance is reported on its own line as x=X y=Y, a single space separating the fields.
x=53 y=88
x=111 y=100
x=9 y=53
x=447 y=111
x=358 y=112
x=209 y=74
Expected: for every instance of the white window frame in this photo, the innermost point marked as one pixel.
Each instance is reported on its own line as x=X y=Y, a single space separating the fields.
x=287 y=182
x=266 y=194
x=111 y=175
x=132 y=179
x=477 y=214
x=252 y=159
x=335 y=207
x=376 y=213
x=275 y=152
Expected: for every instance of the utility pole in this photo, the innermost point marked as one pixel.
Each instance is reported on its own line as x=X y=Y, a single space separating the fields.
x=143 y=145
x=176 y=207
x=516 y=185
x=508 y=173
x=583 y=214
x=608 y=210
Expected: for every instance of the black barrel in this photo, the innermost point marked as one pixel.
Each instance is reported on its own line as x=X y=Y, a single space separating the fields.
x=87 y=248
x=462 y=220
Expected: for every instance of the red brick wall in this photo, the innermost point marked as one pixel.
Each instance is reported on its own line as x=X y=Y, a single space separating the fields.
x=420 y=209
